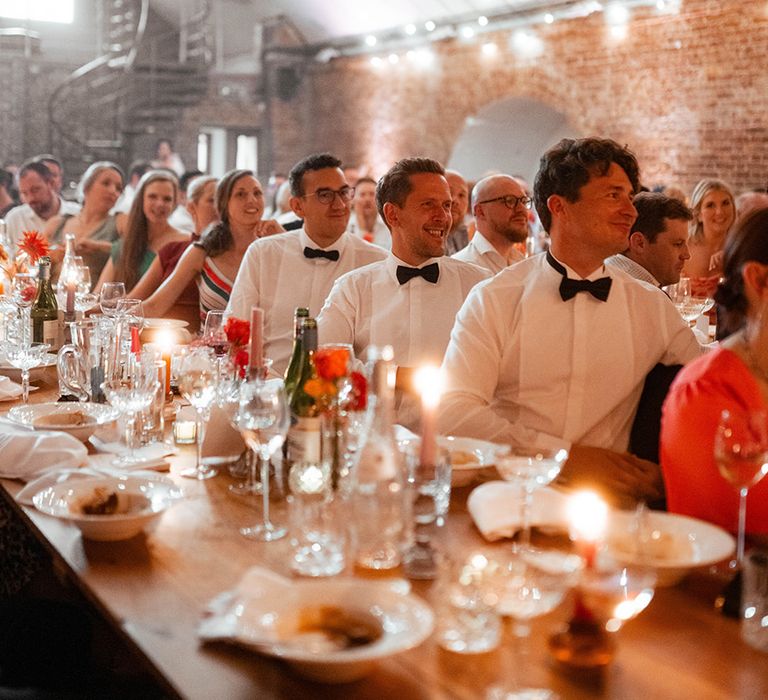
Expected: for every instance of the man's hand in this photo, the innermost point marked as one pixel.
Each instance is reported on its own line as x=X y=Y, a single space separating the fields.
x=622 y=478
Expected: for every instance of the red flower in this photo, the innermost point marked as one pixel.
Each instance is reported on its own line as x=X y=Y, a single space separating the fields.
x=238 y=331
x=34 y=245
x=241 y=361
x=358 y=399
x=332 y=363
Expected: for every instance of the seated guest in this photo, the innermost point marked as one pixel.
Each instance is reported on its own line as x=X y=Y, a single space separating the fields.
x=298 y=268
x=500 y=206
x=40 y=200
x=181 y=219
x=554 y=350
x=658 y=243
x=733 y=377
x=747 y=202
x=146 y=231
x=365 y=220
x=410 y=299
x=201 y=205
x=7 y=202
x=213 y=261
x=95 y=229
x=458 y=237
x=135 y=173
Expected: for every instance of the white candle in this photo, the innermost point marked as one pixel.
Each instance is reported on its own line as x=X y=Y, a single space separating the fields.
x=429 y=384
x=587 y=515
x=257 y=338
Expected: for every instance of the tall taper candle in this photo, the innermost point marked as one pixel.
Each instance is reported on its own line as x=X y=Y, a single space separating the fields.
x=257 y=338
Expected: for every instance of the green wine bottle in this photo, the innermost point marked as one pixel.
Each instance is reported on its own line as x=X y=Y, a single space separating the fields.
x=45 y=310
x=294 y=366
x=304 y=434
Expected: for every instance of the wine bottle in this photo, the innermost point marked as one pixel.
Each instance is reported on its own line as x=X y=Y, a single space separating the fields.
x=294 y=366
x=379 y=506
x=45 y=310
x=304 y=434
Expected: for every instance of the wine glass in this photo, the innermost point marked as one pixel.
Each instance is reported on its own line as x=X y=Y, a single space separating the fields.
x=530 y=469
x=741 y=455
x=24 y=356
x=197 y=384
x=24 y=291
x=111 y=292
x=131 y=393
x=214 y=334
x=263 y=419
x=83 y=276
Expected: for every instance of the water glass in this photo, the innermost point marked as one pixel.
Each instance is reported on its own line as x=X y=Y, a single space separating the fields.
x=111 y=293
x=152 y=424
x=754 y=617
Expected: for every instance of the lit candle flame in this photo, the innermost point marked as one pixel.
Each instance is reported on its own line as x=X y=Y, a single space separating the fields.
x=429 y=383
x=587 y=514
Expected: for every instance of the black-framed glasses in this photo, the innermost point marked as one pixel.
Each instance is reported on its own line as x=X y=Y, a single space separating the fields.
x=326 y=196
x=510 y=201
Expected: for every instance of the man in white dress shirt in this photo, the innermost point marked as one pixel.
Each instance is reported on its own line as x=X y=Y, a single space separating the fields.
x=500 y=206
x=41 y=201
x=554 y=350
x=365 y=220
x=410 y=299
x=658 y=243
x=298 y=268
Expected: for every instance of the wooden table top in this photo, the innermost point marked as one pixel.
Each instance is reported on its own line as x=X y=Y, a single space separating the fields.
x=154 y=587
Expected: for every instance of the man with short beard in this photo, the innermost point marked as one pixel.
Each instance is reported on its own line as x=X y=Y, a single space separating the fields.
x=500 y=206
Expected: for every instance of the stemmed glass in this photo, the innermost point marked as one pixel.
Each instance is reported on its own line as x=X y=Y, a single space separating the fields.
x=25 y=356
x=530 y=469
x=111 y=292
x=130 y=394
x=263 y=419
x=197 y=383
x=214 y=335
x=741 y=454
x=688 y=306
x=24 y=290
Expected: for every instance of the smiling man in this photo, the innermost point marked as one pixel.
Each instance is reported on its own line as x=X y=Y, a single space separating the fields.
x=298 y=268
x=410 y=299
x=554 y=350
x=658 y=243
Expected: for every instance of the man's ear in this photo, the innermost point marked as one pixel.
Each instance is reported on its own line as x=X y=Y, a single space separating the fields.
x=297 y=205
x=391 y=214
x=755 y=277
x=556 y=204
x=638 y=241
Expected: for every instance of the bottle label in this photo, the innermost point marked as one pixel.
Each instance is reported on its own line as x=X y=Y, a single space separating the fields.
x=51 y=334
x=304 y=441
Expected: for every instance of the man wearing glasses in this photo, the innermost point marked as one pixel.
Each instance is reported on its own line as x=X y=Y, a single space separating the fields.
x=500 y=207
x=298 y=268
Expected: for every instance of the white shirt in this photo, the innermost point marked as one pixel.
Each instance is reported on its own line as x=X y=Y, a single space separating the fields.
x=381 y=235
x=527 y=368
x=23 y=218
x=276 y=276
x=481 y=252
x=370 y=307
x=182 y=220
x=633 y=269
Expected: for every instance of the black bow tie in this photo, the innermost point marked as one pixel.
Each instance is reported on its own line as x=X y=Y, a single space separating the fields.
x=569 y=288
x=429 y=272
x=318 y=253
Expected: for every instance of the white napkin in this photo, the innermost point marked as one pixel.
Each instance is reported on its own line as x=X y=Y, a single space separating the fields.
x=152 y=455
x=90 y=471
x=9 y=389
x=495 y=509
x=27 y=453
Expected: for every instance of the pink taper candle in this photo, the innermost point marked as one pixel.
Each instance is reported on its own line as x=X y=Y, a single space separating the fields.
x=429 y=386
x=257 y=338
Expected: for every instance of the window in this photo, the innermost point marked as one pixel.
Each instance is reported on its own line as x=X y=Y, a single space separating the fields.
x=62 y=11
x=247 y=153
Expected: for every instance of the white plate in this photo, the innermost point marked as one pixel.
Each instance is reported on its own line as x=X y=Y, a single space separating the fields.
x=165 y=323
x=151 y=498
x=266 y=613
x=671 y=544
x=99 y=414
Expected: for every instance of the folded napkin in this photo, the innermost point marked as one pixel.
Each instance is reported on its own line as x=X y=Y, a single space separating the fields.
x=89 y=471
x=495 y=509
x=9 y=389
x=221 y=439
x=152 y=455
x=28 y=453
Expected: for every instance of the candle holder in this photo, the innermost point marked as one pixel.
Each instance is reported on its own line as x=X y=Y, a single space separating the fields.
x=583 y=643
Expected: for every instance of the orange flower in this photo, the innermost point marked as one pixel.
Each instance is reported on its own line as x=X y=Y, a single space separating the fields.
x=332 y=363
x=319 y=388
x=34 y=245
x=3 y=255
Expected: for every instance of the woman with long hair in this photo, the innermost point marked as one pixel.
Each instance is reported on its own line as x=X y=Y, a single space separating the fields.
x=714 y=211
x=94 y=228
x=213 y=261
x=733 y=377
x=147 y=230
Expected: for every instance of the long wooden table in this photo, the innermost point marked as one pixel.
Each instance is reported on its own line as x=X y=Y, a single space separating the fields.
x=153 y=589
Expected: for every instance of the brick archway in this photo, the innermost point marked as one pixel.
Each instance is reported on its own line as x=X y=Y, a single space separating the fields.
x=508 y=135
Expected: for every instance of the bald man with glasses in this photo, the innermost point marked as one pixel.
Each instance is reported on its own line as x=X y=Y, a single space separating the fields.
x=298 y=268
x=500 y=207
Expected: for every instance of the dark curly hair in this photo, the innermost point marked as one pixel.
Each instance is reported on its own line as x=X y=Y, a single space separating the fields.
x=565 y=168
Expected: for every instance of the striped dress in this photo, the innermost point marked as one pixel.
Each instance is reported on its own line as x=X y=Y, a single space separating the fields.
x=214 y=288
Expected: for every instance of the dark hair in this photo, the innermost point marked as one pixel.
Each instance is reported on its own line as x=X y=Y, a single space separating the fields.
x=653 y=208
x=136 y=239
x=48 y=158
x=395 y=185
x=218 y=238
x=317 y=161
x=565 y=168
x=138 y=167
x=6 y=180
x=36 y=166
x=186 y=176
x=746 y=242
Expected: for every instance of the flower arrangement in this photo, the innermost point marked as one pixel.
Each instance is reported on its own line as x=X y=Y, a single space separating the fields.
x=333 y=385
x=32 y=247
x=238 y=335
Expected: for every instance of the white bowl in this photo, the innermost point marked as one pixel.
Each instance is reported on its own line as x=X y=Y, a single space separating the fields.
x=269 y=613
x=37 y=416
x=671 y=544
x=469 y=457
x=145 y=499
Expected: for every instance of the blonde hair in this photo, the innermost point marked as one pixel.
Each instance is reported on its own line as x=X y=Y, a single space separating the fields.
x=702 y=189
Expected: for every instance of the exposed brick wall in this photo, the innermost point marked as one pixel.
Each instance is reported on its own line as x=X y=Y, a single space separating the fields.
x=687 y=92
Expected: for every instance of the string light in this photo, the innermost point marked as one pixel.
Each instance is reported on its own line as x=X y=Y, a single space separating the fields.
x=370 y=40
x=393 y=58
x=467 y=32
x=410 y=29
x=430 y=26
x=549 y=18
x=482 y=20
